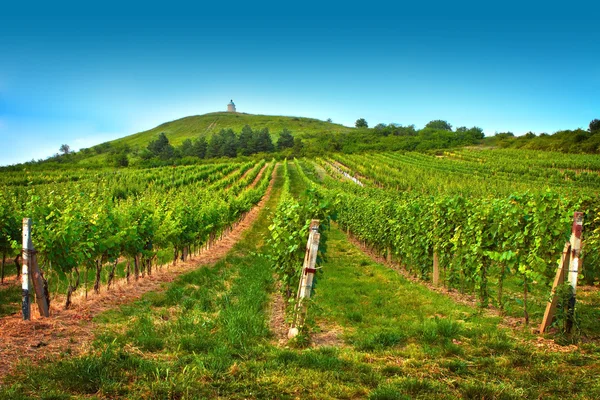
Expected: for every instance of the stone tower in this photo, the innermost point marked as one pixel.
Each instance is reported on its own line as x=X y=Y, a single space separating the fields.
x=231 y=106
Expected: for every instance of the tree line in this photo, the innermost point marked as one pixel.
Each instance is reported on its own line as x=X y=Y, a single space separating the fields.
x=565 y=141
x=435 y=135
x=225 y=143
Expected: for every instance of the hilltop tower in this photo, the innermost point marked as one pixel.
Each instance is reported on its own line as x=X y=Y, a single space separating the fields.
x=231 y=106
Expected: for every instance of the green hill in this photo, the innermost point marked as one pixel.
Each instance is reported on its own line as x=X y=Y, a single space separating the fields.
x=193 y=127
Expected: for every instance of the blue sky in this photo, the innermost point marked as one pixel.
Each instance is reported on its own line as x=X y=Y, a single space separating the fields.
x=82 y=75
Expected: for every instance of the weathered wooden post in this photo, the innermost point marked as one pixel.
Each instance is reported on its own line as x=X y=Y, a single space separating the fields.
x=306 y=278
x=41 y=287
x=569 y=266
x=30 y=267
x=308 y=272
x=558 y=280
x=574 y=264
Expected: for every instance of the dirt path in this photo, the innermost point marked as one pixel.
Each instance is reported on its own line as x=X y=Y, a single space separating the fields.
x=341 y=169
x=72 y=330
x=229 y=175
x=259 y=175
x=246 y=173
x=212 y=125
x=9 y=282
x=277 y=317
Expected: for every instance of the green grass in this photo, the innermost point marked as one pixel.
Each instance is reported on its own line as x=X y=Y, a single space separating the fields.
x=206 y=336
x=194 y=126
x=10 y=291
x=10 y=299
x=425 y=345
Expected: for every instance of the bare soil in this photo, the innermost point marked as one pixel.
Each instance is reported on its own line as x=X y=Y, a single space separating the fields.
x=72 y=330
x=258 y=176
x=329 y=336
x=277 y=323
x=9 y=281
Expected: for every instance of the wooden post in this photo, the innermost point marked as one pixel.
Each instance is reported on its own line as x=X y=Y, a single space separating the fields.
x=3 y=264
x=27 y=247
x=30 y=267
x=569 y=263
x=574 y=264
x=306 y=277
x=558 y=280
x=42 y=297
x=436 y=269
x=308 y=272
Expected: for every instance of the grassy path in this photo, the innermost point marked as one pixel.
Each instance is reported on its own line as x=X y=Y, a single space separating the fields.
x=417 y=343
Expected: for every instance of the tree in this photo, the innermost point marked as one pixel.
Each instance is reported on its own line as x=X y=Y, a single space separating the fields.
x=230 y=143
x=215 y=146
x=475 y=132
x=264 y=142
x=595 y=125
x=504 y=135
x=157 y=146
x=298 y=147
x=286 y=140
x=439 y=125
x=479 y=130
x=65 y=149
x=161 y=147
x=187 y=148
x=361 y=123
x=246 y=142
x=167 y=152
x=329 y=120
x=199 y=148
x=121 y=160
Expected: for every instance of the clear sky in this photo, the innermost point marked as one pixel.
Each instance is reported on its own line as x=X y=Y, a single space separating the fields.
x=83 y=74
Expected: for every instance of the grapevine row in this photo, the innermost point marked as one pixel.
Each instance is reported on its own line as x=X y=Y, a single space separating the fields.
x=84 y=225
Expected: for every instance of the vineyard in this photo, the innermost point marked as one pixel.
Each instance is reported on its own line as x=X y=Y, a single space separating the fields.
x=433 y=273
x=91 y=222
x=484 y=219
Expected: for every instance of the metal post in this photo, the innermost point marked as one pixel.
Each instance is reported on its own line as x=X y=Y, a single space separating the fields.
x=31 y=270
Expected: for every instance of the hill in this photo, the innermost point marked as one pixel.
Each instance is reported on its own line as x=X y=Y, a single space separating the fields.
x=317 y=138
x=205 y=125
